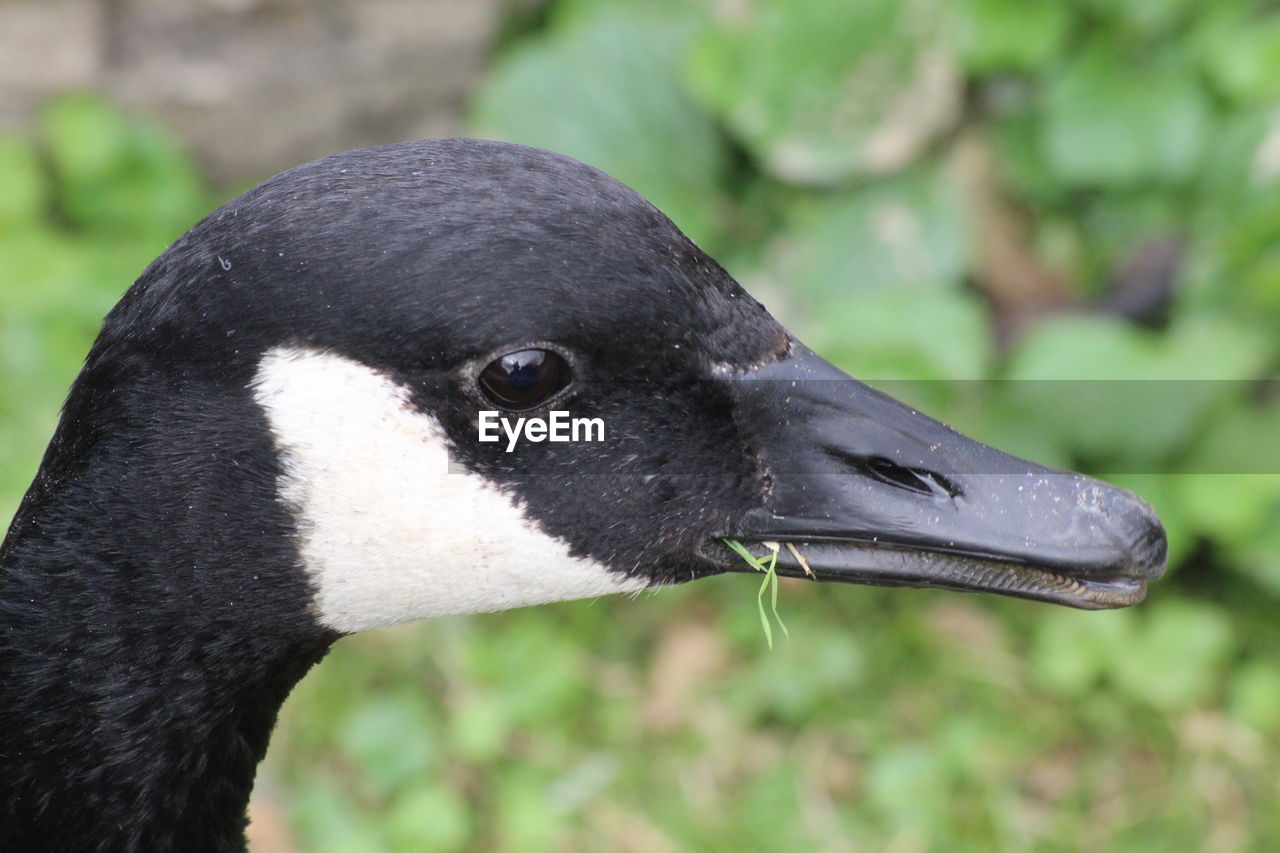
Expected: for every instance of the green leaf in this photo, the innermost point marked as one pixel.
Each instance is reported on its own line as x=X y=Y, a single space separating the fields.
x=1258 y=554
x=1111 y=121
x=1234 y=485
x=25 y=195
x=1112 y=227
x=819 y=92
x=1174 y=658
x=479 y=727
x=525 y=822
x=1000 y=35
x=430 y=817
x=1020 y=158
x=1240 y=163
x=1071 y=648
x=907 y=784
x=390 y=742
x=908 y=233
x=875 y=280
x=1169 y=384
x=118 y=174
x=1239 y=49
x=605 y=89
x=1142 y=18
x=1255 y=696
x=332 y=822
x=904 y=334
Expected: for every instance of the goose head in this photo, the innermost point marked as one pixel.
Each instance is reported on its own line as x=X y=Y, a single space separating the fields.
x=392 y=304
x=279 y=438
x=330 y=350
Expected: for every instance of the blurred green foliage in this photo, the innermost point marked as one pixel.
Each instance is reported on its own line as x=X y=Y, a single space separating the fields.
x=826 y=153
x=87 y=201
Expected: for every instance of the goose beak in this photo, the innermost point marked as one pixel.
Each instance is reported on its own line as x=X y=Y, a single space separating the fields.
x=863 y=489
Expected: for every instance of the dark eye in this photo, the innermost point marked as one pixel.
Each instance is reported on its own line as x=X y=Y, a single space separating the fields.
x=525 y=379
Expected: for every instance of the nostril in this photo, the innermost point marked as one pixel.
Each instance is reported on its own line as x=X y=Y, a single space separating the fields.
x=916 y=479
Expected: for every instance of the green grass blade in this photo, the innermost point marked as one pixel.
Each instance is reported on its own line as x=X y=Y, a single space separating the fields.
x=770 y=583
x=764 y=617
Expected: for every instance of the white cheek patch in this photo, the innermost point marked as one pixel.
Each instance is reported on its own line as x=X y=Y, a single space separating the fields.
x=388 y=532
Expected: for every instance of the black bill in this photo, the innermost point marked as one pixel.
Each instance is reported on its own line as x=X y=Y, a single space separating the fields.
x=863 y=489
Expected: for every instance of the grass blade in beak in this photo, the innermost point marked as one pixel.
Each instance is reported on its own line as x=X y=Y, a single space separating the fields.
x=770 y=583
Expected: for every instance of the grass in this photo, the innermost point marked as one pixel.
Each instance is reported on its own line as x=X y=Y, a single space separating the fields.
x=770 y=583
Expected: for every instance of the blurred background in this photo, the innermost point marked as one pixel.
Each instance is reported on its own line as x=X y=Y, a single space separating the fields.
x=968 y=202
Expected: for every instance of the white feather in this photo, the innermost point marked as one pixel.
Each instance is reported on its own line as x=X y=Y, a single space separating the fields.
x=389 y=531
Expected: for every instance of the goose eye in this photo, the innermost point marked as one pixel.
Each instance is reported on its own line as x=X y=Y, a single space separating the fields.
x=525 y=379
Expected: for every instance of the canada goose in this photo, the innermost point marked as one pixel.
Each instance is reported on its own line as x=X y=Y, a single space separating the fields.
x=275 y=441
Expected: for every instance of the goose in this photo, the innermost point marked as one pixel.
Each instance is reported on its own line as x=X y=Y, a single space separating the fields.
x=275 y=441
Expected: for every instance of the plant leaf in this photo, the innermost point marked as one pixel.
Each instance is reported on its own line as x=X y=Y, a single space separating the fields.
x=604 y=88
x=822 y=91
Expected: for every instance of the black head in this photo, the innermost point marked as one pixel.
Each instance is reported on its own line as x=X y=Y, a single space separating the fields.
x=277 y=439
x=478 y=276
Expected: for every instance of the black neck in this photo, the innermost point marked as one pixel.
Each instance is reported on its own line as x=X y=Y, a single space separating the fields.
x=118 y=734
x=153 y=618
